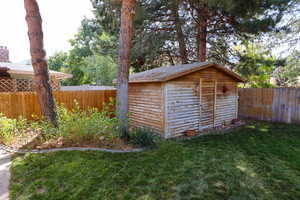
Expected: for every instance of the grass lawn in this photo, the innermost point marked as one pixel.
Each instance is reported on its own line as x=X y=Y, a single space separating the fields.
x=259 y=161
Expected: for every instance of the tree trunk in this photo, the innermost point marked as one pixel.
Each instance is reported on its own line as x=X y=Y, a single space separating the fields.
x=126 y=35
x=39 y=63
x=179 y=32
x=202 y=33
x=170 y=58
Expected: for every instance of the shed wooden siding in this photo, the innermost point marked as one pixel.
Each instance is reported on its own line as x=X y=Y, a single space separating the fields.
x=200 y=100
x=182 y=107
x=226 y=103
x=207 y=102
x=146 y=106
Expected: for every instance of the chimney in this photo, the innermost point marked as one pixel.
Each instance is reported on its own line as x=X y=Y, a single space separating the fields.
x=4 y=54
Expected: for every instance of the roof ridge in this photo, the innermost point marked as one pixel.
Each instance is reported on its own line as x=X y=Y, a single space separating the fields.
x=166 y=73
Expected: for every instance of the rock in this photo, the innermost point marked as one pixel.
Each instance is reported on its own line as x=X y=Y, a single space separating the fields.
x=59 y=145
x=102 y=138
x=60 y=142
x=46 y=145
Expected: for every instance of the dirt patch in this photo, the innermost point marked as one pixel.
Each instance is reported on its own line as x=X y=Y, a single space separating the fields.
x=36 y=141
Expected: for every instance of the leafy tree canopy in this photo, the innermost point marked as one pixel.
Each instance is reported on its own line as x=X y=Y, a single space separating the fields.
x=257 y=65
x=168 y=32
x=288 y=75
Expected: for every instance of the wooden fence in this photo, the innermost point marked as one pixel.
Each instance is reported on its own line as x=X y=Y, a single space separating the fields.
x=274 y=104
x=26 y=104
x=270 y=104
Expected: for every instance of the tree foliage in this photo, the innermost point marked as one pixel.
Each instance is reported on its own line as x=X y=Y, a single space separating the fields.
x=93 y=69
x=158 y=24
x=100 y=70
x=179 y=31
x=288 y=75
x=257 y=65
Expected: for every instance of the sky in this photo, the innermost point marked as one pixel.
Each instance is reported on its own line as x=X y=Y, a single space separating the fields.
x=61 y=20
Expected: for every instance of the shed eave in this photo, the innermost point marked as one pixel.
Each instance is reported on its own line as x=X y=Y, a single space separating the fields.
x=231 y=73
x=200 y=68
x=195 y=69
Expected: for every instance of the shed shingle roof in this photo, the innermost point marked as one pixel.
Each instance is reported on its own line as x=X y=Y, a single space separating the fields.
x=163 y=74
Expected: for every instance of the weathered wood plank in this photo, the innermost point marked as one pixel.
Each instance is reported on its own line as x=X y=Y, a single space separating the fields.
x=272 y=104
x=146 y=106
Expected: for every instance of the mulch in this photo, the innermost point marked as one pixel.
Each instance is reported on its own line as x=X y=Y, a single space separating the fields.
x=36 y=141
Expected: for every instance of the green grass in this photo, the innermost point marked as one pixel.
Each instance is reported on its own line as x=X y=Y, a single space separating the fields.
x=260 y=161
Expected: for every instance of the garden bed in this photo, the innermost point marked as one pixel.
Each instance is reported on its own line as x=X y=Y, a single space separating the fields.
x=37 y=142
x=77 y=128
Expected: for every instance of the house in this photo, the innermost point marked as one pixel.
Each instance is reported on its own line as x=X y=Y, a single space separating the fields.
x=16 y=77
x=191 y=97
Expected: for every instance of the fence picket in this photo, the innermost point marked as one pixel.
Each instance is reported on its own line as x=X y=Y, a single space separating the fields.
x=272 y=104
x=15 y=104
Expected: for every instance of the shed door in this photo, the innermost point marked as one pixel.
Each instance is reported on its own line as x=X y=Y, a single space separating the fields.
x=207 y=103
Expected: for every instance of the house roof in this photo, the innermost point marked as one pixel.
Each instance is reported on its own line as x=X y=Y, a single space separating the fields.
x=19 y=70
x=163 y=74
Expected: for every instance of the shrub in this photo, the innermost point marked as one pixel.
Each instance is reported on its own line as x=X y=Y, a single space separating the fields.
x=73 y=124
x=143 y=137
x=79 y=123
x=6 y=127
x=11 y=127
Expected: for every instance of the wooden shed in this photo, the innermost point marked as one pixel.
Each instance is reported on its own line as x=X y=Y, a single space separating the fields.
x=172 y=100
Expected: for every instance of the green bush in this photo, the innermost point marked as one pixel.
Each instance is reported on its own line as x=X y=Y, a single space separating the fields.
x=11 y=127
x=7 y=126
x=79 y=123
x=73 y=124
x=143 y=137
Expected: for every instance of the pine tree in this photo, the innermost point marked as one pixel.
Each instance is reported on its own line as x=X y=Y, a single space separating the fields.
x=39 y=63
x=183 y=31
x=233 y=19
x=126 y=35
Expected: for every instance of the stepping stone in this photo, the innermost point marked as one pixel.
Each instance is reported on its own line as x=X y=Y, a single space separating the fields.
x=5 y=161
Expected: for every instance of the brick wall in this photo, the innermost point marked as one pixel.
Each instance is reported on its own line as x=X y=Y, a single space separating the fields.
x=4 y=54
